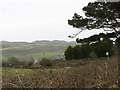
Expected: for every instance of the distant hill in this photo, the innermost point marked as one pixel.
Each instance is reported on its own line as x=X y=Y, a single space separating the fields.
x=26 y=48
x=54 y=41
x=42 y=41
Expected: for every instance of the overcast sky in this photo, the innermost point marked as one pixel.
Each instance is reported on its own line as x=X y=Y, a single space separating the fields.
x=30 y=20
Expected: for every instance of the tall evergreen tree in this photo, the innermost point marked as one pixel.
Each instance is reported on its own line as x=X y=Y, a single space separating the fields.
x=105 y=15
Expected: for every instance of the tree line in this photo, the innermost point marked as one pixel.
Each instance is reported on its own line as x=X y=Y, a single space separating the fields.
x=90 y=50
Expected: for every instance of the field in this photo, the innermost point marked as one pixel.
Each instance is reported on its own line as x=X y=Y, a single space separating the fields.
x=88 y=73
x=36 y=49
x=36 y=55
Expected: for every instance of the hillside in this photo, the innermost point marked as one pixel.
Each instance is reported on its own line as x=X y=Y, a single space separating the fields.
x=36 y=48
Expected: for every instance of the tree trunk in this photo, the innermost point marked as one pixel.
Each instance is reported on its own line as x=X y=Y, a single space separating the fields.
x=118 y=59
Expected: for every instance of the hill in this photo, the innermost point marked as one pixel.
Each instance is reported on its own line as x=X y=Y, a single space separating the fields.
x=37 y=48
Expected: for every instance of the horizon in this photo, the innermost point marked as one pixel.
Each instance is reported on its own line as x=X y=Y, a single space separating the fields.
x=36 y=40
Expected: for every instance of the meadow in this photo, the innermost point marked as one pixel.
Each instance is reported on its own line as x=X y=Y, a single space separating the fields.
x=86 y=73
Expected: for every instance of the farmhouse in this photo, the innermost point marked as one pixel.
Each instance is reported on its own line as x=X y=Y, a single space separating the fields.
x=61 y=57
x=37 y=60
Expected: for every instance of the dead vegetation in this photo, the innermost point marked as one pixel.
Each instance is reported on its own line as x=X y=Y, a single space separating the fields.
x=69 y=74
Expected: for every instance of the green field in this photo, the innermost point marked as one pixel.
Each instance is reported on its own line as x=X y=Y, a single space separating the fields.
x=36 y=55
x=39 y=49
x=47 y=54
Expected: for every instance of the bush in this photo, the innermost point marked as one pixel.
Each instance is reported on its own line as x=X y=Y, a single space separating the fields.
x=46 y=62
x=35 y=66
x=26 y=60
x=93 y=55
x=11 y=61
x=5 y=63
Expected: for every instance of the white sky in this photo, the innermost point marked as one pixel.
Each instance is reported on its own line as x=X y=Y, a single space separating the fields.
x=30 y=20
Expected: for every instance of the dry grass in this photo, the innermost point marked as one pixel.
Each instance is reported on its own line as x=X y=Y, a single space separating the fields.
x=70 y=74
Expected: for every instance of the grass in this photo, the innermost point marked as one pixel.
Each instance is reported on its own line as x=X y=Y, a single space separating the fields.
x=36 y=55
x=15 y=71
x=32 y=45
x=18 y=46
x=46 y=54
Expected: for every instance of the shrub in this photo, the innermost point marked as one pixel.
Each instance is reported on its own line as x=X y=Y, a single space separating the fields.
x=5 y=63
x=11 y=61
x=26 y=60
x=46 y=62
x=35 y=66
x=93 y=55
